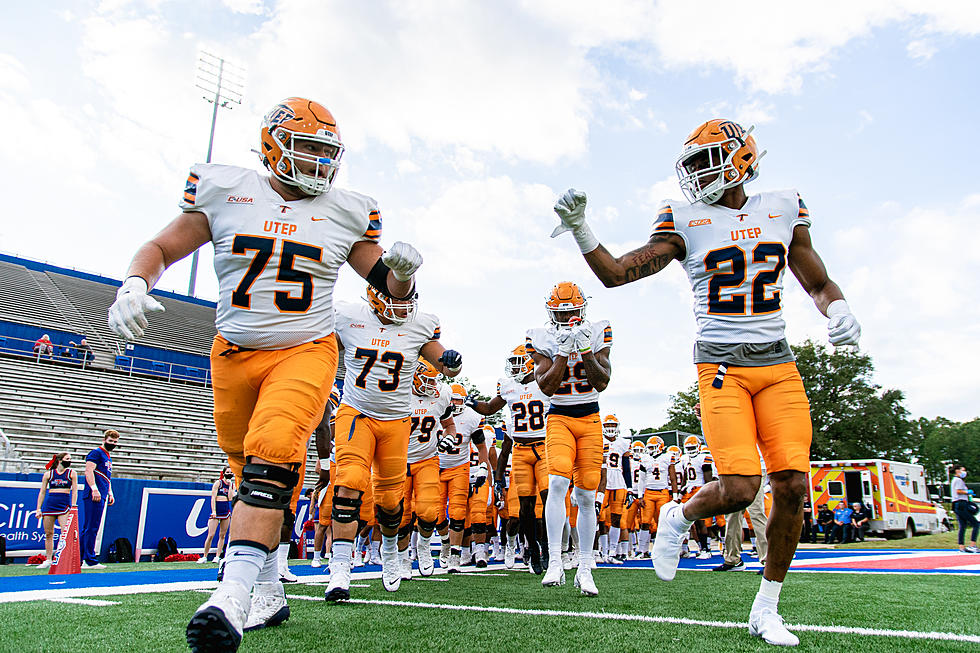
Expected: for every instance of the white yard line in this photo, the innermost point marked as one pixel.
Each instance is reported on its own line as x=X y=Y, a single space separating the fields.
x=93 y=602
x=612 y=616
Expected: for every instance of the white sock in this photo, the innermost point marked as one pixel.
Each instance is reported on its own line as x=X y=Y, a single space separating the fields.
x=587 y=523
x=243 y=564
x=614 y=539
x=554 y=513
x=677 y=520
x=270 y=571
x=376 y=547
x=604 y=544
x=359 y=544
x=283 y=553
x=768 y=595
x=624 y=548
x=511 y=541
x=316 y=556
x=479 y=550
x=342 y=551
x=423 y=543
x=644 y=544
x=389 y=544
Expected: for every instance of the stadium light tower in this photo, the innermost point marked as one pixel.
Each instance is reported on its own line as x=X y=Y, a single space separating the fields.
x=222 y=83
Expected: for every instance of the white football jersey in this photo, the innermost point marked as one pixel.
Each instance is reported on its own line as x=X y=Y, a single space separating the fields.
x=467 y=423
x=735 y=262
x=276 y=260
x=575 y=388
x=657 y=472
x=618 y=449
x=527 y=405
x=693 y=469
x=427 y=416
x=638 y=470
x=380 y=359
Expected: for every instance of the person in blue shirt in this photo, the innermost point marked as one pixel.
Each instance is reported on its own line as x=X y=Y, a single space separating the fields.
x=97 y=495
x=842 y=524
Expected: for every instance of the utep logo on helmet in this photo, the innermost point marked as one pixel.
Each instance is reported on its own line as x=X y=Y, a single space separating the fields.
x=280 y=114
x=731 y=129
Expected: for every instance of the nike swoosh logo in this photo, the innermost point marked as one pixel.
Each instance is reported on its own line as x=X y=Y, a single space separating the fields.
x=322 y=219
x=402 y=334
x=778 y=215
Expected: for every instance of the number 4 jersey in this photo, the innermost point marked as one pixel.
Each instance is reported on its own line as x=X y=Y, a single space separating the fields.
x=276 y=261
x=380 y=359
x=735 y=262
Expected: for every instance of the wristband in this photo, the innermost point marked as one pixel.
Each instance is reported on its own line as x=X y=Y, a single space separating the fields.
x=136 y=283
x=585 y=238
x=324 y=463
x=838 y=307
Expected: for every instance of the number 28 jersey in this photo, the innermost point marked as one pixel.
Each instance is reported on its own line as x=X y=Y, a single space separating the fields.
x=380 y=359
x=735 y=262
x=276 y=260
x=575 y=387
x=528 y=406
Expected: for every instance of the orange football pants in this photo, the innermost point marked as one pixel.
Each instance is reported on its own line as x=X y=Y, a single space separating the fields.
x=653 y=501
x=422 y=491
x=530 y=467
x=363 y=445
x=574 y=449
x=454 y=490
x=366 y=514
x=764 y=406
x=477 y=513
x=267 y=403
x=629 y=518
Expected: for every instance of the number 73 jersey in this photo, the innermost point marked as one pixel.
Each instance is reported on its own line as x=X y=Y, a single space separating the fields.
x=735 y=262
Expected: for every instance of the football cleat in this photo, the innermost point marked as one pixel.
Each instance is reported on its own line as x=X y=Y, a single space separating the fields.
x=555 y=576
x=316 y=564
x=406 y=565
x=466 y=558
x=566 y=561
x=704 y=554
x=481 y=559
x=444 y=556
x=338 y=589
x=285 y=575
x=453 y=565
x=391 y=571
x=217 y=625
x=614 y=560
x=509 y=554
x=767 y=624
x=424 y=554
x=268 y=606
x=584 y=581
x=667 y=546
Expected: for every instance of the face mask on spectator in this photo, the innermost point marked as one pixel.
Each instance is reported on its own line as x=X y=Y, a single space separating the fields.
x=109 y=446
x=66 y=463
x=962 y=473
x=229 y=476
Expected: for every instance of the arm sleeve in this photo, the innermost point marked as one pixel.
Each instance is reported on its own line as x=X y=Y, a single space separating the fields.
x=478 y=437
x=627 y=474
x=373 y=232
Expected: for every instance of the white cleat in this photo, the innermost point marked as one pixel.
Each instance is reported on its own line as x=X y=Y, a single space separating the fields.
x=444 y=556
x=218 y=623
x=424 y=555
x=391 y=571
x=285 y=575
x=767 y=624
x=268 y=606
x=555 y=575
x=466 y=558
x=481 y=559
x=509 y=555
x=453 y=566
x=704 y=555
x=566 y=561
x=406 y=564
x=584 y=581
x=667 y=546
x=44 y=565
x=200 y=561
x=614 y=560
x=316 y=564
x=338 y=589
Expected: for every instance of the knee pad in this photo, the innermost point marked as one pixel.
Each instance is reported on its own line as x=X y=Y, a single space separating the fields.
x=584 y=499
x=390 y=520
x=558 y=484
x=457 y=525
x=345 y=509
x=257 y=488
x=426 y=525
x=479 y=529
x=405 y=531
x=442 y=525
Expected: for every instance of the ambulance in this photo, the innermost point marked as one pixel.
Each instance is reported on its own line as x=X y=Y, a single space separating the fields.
x=894 y=492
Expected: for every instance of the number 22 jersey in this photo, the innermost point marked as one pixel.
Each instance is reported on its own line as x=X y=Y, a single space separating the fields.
x=735 y=262
x=276 y=260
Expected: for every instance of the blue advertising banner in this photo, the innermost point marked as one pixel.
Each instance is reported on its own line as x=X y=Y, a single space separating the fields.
x=23 y=531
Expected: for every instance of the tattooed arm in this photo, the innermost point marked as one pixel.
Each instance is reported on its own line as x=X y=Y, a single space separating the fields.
x=660 y=250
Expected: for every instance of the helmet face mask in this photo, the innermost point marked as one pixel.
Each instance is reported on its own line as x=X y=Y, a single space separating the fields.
x=300 y=144
x=655 y=445
x=425 y=382
x=692 y=446
x=519 y=364
x=396 y=311
x=566 y=305
x=717 y=156
x=458 y=399
x=610 y=427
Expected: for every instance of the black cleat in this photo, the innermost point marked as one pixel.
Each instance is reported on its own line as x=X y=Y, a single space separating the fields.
x=337 y=594
x=727 y=566
x=210 y=632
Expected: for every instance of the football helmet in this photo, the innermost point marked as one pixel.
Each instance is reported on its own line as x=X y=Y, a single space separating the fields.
x=655 y=445
x=519 y=363
x=675 y=453
x=566 y=304
x=396 y=311
x=692 y=445
x=637 y=448
x=425 y=382
x=610 y=427
x=457 y=398
x=718 y=155
x=303 y=132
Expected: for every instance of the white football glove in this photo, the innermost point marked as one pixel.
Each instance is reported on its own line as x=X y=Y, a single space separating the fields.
x=842 y=326
x=478 y=475
x=571 y=211
x=127 y=314
x=403 y=260
x=566 y=341
x=583 y=337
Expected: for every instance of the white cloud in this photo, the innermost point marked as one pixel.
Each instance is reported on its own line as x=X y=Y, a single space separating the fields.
x=922 y=49
x=635 y=95
x=245 y=6
x=665 y=189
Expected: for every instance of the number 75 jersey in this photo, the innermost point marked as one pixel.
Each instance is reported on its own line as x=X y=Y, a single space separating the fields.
x=735 y=262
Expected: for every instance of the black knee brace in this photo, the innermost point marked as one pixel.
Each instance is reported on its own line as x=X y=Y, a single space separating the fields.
x=390 y=520
x=405 y=531
x=345 y=509
x=479 y=529
x=456 y=525
x=286 y=530
x=467 y=532
x=441 y=525
x=257 y=488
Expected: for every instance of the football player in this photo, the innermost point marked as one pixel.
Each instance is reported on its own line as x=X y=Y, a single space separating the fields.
x=383 y=341
x=524 y=442
x=735 y=249
x=696 y=465
x=659 y=485
x=481 y=480
x=454 y=473
x=432 y=418
x=571 y=365
x=279 y=242
x=619 y=489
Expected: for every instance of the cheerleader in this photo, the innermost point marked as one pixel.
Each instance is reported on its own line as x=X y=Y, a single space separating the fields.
x=222 y=492
x=59 y=494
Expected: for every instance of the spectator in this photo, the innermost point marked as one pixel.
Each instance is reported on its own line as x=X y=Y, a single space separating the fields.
x=97 y=495
x=825 y=522
x=808 y=529
x=860 y=521
x=43 y=347
x=966 y=511
x=222 y=492
x=842 y=524
x=85 y=352
x=58 y=495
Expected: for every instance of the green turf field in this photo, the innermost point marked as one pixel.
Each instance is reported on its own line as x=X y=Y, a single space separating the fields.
x=155 y=622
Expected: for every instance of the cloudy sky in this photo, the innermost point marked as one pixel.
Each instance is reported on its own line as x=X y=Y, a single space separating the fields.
x=467 y=120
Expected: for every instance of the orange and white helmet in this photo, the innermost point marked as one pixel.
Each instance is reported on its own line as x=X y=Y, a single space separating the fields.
x=566 y=304
x=637 y=448
x=425 y=383
x=519 y=363
x=610 y=427
x=692 y=445
x=396 y=311
x=300 y=130
x=675 y=453
x=457 y=398
x=655 y=445
x=718 y=155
